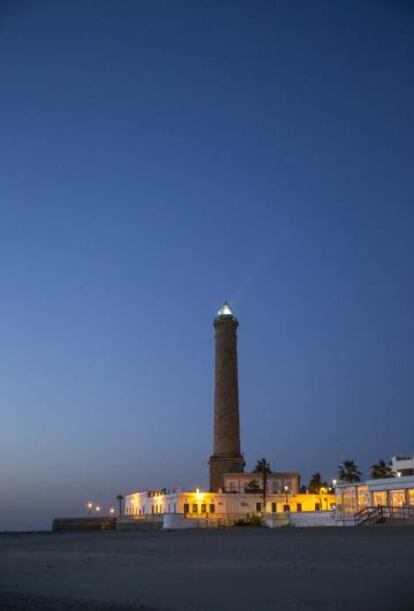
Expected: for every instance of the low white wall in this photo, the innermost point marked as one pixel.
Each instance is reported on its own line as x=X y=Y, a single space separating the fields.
x=312 y=518
x=275 y=520
x=177 y=521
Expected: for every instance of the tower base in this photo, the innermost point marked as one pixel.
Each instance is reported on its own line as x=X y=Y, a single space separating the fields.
x=219 y=465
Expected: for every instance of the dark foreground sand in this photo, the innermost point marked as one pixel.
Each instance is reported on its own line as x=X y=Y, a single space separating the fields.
x=240 y=569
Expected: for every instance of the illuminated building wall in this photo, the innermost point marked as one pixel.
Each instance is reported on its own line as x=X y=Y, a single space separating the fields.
x=391 y=491
x=199 y=504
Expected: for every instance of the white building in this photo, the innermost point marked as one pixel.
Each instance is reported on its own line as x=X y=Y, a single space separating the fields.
x=199 y=504
x=391 y=492
x=404 y=465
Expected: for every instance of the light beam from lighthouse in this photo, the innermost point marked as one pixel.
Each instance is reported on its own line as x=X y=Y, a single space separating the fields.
x=227 y=457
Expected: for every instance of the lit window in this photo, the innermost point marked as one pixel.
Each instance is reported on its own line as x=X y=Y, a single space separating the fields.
x=397 y=498
x=195 y=508
x=299 y=507
x=212 y=508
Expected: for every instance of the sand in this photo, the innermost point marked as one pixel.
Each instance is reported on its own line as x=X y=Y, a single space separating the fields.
x=237 y=569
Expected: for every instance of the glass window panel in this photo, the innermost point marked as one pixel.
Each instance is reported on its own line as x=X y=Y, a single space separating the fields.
x=397 y=498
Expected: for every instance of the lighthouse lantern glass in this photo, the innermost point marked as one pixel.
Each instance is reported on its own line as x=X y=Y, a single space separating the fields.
x=225 y=310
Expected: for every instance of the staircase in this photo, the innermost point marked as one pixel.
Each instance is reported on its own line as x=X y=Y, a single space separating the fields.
x=384 y=513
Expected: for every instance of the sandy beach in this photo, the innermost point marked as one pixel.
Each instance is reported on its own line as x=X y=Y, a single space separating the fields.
x=238 y=569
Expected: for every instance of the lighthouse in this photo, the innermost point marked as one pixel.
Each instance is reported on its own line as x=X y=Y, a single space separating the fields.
x=226 y=457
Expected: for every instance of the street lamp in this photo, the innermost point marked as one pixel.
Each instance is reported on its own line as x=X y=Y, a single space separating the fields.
x=112 y=510
x=97 y=509
x=334 y=482
x=89 y=506
x=287 y=494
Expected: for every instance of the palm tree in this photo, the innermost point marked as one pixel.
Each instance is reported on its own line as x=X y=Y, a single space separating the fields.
x=252 y=487
x=381 y=470
x=316 y=483
x=349 y=472
x=263 y=467
x=120 y=498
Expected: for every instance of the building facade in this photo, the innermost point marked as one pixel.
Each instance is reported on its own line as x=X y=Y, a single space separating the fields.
x=196 y=504
x=276 y=483
x=402 y=465
x=388 y=492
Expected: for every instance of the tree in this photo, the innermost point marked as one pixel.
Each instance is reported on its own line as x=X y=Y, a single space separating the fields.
x=316 y=484
x=252 y=487
x=263 y=467
x=381 y=470
x=349 y=472
x=120 y=498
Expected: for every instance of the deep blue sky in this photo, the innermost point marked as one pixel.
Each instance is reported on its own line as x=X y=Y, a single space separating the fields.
x=157 y=158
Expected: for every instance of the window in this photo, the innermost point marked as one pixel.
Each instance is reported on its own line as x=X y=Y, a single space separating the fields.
x=317 y=506
x=244 y=504
x=203 y=508
x=299 y=507
x=186 y=508
x=379 y=497
x=275 y=486
x=363 y=497
x=195 y=508
x=286 y=508
x=258 y=507
x=273 y=507
x=397 y=498
x=212 y=508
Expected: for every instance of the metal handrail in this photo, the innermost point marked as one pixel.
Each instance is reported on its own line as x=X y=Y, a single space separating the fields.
x=380 y=513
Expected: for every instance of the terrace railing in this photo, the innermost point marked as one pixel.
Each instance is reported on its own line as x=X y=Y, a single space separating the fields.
x=383 y=513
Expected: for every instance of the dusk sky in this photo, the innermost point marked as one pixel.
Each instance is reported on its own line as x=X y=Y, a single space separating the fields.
x=159 y=157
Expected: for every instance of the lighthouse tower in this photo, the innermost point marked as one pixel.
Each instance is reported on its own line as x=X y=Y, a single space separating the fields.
x=227 y=457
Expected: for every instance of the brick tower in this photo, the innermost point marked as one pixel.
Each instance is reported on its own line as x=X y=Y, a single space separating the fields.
x=227 y=457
